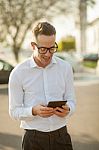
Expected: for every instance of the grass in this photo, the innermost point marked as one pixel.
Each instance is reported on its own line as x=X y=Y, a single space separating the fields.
x=90 y=64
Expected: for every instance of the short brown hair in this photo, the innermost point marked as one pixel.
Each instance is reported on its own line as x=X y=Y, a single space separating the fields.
x=44 y=28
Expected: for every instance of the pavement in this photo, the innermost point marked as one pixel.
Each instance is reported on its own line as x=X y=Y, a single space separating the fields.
x=83 y=125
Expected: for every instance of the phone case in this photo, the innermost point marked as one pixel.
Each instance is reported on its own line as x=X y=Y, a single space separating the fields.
x=56 y=103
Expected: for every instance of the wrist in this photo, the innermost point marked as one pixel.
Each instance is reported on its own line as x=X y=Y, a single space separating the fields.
x=33 y=112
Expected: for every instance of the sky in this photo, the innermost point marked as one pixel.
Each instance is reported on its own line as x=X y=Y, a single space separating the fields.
x=63 y=27
x=93 y=12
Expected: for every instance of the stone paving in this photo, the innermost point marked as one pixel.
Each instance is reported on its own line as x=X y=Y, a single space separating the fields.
x=83 y=125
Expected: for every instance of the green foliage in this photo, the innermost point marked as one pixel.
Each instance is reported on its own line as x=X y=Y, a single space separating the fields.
x=67 y=44
x=90 y=64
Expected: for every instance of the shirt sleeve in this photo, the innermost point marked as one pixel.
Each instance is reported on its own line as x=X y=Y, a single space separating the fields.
x=17 y=110
x=69 y=90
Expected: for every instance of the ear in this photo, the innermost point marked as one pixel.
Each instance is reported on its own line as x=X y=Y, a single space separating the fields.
x=33 y=44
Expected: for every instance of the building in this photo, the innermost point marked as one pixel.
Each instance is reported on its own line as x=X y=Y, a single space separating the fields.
x=93 y=36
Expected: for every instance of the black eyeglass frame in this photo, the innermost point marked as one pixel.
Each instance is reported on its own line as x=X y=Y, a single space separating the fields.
x=47 y=49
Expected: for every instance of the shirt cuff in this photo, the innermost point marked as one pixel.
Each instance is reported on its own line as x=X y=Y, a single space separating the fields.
x=70 y=112
x=27 y=115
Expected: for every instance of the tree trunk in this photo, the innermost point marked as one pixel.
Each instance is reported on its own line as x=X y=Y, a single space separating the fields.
x=16 y=53
x=83 y=24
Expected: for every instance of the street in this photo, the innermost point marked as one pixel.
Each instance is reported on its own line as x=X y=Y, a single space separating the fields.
x=83 y=125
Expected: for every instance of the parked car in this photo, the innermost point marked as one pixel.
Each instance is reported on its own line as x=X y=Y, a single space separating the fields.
x=5 y=69
x=91 y=57
x=75 y=62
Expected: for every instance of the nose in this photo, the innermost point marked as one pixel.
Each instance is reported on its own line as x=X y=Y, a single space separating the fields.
x=48 y=53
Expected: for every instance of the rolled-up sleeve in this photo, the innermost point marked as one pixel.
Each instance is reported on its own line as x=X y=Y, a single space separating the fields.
x=17 y=110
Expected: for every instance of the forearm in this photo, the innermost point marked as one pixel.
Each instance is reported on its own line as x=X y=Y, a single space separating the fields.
x=17 y=109
x=21 y=113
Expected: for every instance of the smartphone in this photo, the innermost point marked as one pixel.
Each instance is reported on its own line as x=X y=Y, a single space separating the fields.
x=56 y=103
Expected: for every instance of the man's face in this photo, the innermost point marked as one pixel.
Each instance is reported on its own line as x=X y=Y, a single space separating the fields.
x=43 y=60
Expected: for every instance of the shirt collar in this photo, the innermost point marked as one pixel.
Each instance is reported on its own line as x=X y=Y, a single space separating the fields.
x=33 y=64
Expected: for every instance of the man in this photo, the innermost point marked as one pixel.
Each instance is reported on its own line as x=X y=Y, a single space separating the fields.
x=35 y=82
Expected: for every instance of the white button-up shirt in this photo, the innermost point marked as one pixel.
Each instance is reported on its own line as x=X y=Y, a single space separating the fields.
x=30 y=85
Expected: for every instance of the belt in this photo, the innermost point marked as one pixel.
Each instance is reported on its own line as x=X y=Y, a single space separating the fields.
x=57 y=132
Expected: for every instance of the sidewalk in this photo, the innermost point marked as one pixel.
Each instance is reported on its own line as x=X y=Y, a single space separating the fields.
x=86 y=78
x=83 y=125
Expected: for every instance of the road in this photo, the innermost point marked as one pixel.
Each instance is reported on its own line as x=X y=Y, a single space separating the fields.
x=83 y=125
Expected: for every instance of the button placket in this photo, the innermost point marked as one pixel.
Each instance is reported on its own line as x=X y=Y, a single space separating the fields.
x=45 y=84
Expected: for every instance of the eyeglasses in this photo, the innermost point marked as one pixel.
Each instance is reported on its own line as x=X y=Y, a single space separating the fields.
x=43 y=50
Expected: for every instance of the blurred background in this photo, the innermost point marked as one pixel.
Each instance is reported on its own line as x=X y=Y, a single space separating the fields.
x=77 y=27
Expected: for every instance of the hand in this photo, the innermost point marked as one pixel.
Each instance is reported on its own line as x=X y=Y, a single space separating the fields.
x=42 y=111
x=62 y=112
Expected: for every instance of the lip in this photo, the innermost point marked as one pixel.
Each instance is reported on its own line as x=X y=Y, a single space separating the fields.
x=46 y=58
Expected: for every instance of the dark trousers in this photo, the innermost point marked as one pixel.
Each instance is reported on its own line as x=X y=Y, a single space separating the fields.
x=54 y=140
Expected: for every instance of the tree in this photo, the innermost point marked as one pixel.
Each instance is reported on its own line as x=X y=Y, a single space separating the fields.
x=83 y=21
x=18 y=16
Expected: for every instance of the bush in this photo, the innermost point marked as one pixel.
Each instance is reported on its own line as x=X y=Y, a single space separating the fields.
x=90 y=64
x=67 y=44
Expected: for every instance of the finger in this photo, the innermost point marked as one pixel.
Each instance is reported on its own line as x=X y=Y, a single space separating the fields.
x=59 y=109
x=47 y=115
x=46 y=112
x=61 y=112
x=66 y=108
x=46 y=109
x=58 y=113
